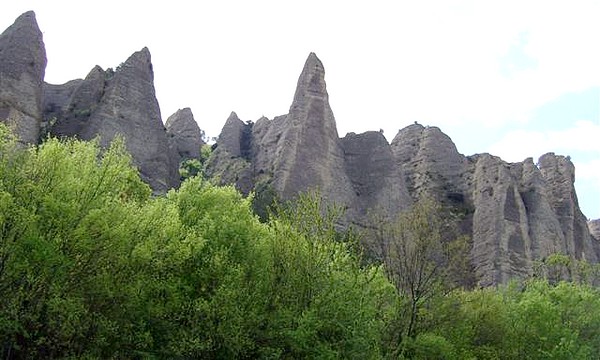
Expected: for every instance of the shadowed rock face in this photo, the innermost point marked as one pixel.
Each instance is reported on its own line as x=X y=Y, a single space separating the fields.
x=22 y=68
x=377 y=181
x=231 y=161
x=122 y=102
x=68 y=107
x=594 y=226
x=185 y=136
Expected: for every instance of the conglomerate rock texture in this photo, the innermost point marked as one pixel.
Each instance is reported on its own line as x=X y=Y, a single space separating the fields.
x=22 y=69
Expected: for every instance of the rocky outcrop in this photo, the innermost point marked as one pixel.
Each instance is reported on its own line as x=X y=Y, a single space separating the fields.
x=110 y=103
x=22 y=68
x=376 y=179
x=559 y=175
x=68 y=107
x=309 y=152
x=230 y=162
x=185 y=137
x=594 y=226
x=431 y=163
x=516 y=214
x=292 y=153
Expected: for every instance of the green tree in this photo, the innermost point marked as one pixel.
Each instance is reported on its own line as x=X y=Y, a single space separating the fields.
x=61 y=246
x=423 y=261
x=322 y=303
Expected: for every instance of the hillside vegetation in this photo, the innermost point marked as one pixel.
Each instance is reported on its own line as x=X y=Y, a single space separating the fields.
x=93 y=266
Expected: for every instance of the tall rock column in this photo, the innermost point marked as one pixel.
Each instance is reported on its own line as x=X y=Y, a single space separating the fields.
x=311 y=155
x=22 y=68
x=559 y=174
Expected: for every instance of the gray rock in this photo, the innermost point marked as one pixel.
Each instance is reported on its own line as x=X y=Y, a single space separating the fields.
x=292 y=153
x=22 y=68
x=231 y=161
x=377 y=180
x=431 y=163
x=122 y=102
x=594 y=226
x=516 y=214
x=501 y=242
x=68 y=107
x=559 y=175
x=184 y=134
x=309 y=152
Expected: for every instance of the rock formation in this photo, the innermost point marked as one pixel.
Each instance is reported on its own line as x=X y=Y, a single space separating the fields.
x=185 y=137
x=377 y=181
x=431 y=163
x=516 y=214
x=292 y=153
x=594 y=226
x=230 y=162
x=22 y=68
x=559 y=175
x=110 y=103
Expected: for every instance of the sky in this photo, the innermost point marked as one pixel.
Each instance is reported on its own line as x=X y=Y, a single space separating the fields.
x=516 y=79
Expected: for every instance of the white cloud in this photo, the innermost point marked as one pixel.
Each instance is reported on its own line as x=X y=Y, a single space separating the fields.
x=517 y=145
x=590 y=171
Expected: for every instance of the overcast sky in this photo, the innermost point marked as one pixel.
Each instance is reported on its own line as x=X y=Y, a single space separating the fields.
x=513 y=78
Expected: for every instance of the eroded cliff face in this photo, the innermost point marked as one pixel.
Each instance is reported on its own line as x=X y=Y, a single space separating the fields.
x=111 y=103
x=559 y=175
x=431 y=163
x=594 y=226
x=516 y=214
x=185 y=136
x=308 y=151
x=379 y=184
x=292 y=153
x=22 y=68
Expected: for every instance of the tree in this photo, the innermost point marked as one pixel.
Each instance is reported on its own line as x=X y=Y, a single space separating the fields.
x=63 y=251
x=419 y=261
x=323 y=303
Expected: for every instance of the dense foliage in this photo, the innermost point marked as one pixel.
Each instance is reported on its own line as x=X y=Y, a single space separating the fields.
x=93 y=266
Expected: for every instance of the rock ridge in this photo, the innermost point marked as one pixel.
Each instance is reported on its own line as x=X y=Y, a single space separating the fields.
x=516 y=214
